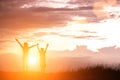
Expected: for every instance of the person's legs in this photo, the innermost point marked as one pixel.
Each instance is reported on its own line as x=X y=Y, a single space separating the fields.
x=23 y=63
x=43 y=68
x=26 y=64
x=42 y=63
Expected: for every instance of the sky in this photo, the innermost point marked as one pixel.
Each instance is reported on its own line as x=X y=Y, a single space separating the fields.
x=67 y=25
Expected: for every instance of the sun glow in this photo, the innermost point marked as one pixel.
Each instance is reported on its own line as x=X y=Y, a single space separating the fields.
x=32 y=60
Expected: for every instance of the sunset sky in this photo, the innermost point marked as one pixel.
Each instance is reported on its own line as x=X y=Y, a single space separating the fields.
x=67 y=25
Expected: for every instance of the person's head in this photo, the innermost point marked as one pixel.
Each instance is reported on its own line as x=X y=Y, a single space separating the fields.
x=25 y=44
x=42 y=49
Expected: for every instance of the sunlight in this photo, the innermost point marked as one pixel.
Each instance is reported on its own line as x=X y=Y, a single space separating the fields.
x=32 y=60
x=81 y=20
x=42 y=43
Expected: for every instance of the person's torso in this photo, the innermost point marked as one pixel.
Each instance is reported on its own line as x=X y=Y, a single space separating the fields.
x=25 y=50
x=42 y=57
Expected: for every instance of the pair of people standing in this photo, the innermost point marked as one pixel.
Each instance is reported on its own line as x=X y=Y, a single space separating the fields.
x=42 y=52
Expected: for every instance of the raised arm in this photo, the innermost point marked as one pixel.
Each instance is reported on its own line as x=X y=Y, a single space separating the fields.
x=38 y=47
x=19 y=42
x=46 y=47
x=33 y=45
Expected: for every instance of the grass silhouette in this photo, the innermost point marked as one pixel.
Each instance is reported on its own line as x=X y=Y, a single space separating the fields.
x=93 y=73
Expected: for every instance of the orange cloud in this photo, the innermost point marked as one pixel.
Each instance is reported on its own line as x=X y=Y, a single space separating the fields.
x=99 y=7
x=111 y=2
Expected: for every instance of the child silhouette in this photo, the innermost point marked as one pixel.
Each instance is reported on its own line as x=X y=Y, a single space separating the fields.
x=42 y=52
x=25 y=48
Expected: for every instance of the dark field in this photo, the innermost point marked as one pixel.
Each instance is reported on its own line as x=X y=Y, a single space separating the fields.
x=97 y=73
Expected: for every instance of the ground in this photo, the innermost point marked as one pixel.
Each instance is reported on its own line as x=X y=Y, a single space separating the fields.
x=98 y=73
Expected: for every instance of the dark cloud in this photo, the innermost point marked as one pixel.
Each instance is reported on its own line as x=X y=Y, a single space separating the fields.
x=27 y=18
x=40 y=17
x=12 y=4
x=12 y=16
x=82 y=2
x=87 y=37
x=84 y=37
x=118 y=1
x=87 y=2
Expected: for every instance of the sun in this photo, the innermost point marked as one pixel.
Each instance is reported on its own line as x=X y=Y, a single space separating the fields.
x=32 y=60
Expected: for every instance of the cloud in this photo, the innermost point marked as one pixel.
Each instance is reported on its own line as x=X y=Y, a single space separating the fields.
x=28 y=19
x=86 y=31
x=81 y=57
x=63 y=23
x=109 y=50
x=12 y=16
x=87 y=37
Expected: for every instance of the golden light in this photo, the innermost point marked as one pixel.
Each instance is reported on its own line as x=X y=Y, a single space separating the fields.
x=81 y=20
x=32 y=60
x=42 y=43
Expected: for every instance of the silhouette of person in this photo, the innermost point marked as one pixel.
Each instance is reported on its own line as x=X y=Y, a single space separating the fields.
x=42 y=52
x=25 y=48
